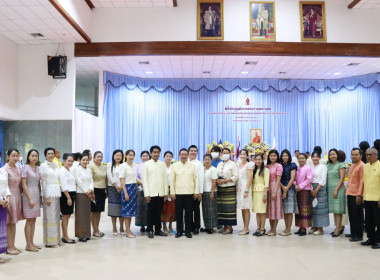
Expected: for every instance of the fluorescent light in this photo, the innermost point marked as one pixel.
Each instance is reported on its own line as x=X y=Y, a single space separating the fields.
x=148 y=72
x=336 y=74
x=245 y=72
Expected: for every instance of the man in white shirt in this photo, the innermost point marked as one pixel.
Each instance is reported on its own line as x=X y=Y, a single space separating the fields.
x=155 y=184
x=295 y=158
x=196 y=224
x=184 y=189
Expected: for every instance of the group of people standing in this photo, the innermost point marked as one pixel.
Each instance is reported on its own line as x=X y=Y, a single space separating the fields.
x=156 y=192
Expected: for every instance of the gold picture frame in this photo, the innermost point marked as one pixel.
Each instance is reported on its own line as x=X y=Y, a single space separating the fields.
x=210 y=26
x=254 y=133
x=313 y=21
x=268 y=20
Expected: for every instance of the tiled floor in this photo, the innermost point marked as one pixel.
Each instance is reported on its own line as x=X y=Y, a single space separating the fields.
x=202 y=257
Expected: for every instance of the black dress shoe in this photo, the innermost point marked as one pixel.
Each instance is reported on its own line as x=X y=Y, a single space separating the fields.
x=297 y=232
x=150 y=234
x=196 y=231
x=348 y=235
x=82 y=240
x=376 y=245
x=302 y=233
x=178 y=235
x=355 y=239
x=210 y=231
x=188 y=235
x=88 y=238
x=160 y=233
x=369 y=242
x=142 y=229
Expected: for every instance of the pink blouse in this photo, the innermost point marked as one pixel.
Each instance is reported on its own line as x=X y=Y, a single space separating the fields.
x=304 y=177
x=274 y=170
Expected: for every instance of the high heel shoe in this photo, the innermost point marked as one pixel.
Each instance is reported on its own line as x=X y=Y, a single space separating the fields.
x=336 y=235
x=243 y=232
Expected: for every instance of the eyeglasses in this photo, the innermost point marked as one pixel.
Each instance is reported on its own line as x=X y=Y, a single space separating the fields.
x=368 y=155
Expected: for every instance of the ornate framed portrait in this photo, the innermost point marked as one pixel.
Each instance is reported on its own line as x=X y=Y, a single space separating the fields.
x=256 y=136
x=313 y=21
x=262 y=21
x=210 y=20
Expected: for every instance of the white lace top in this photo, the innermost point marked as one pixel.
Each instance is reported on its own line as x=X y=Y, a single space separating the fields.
x=49 y=172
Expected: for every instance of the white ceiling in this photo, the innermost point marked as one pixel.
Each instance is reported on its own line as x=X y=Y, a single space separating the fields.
x=293 y=67
x=19 y=18
x=368 y=4
x=131 y=3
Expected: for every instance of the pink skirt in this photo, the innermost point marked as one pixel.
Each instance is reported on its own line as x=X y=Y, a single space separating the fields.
x=30 y=213
x=274 y=207
x=14 y=213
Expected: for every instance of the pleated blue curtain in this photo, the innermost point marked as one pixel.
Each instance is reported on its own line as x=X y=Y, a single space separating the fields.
x=175 y=113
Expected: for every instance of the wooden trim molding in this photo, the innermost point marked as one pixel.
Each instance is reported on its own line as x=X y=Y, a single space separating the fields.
x=226 y=48
x=89 y=3
x=175 y=3
x=70 y=20
x=353 y=4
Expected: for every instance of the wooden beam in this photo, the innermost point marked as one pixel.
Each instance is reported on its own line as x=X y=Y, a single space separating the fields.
x=353 y=4
x=175 y=3
x=70 y=20
x=89 y=3
x=226 y=48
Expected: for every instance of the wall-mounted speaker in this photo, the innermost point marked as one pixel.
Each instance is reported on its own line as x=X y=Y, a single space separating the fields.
x=57 y=66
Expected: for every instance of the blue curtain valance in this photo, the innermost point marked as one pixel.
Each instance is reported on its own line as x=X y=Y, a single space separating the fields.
x=245 y=85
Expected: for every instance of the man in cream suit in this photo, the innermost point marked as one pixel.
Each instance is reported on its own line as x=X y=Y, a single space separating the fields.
x=184 y=188
x=155 y=184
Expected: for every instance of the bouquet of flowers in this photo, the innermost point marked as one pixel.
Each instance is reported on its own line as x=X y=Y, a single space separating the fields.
x=256 y=148
x=221 y=145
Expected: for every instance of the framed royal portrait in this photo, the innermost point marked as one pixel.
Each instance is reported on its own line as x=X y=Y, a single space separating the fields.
x=256 y=136
x=262 y=21
x=313 y=21
x=210 y=20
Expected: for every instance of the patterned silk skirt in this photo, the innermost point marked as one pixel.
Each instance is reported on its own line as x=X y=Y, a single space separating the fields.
x=289 y=204
x=303 y=218
x=82 y=216
x=274 y=207
x=226 y=206
x=114 y=202
x=3 y=229
x=14 y=213
x=320 y=213
x=51 y=222
x=30 y=213
x=209 y=210
x=128 y=208
x=141 y=219
x=168 y=212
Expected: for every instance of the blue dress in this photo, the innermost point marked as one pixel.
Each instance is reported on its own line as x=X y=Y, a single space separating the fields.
x=289 y=204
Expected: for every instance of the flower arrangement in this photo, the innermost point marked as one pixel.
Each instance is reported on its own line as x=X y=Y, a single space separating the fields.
x=256 y=148
x=173 y=161
x=221 y=145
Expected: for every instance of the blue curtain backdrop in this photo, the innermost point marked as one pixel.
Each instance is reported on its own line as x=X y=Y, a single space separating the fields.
x=175 y=113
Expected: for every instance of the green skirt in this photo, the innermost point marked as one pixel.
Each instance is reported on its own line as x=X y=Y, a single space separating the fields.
x=337 y=205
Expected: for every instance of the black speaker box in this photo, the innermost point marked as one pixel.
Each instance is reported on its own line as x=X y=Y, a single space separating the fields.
x=57 y=66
